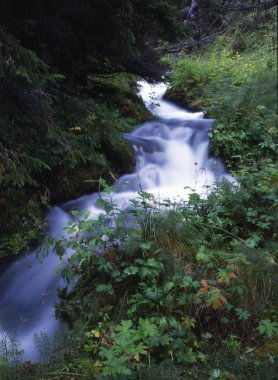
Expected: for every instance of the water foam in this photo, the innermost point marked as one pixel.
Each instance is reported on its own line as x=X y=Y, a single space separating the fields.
x=171 y=161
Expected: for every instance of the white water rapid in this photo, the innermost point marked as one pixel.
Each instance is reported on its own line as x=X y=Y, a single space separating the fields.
x=171 y=159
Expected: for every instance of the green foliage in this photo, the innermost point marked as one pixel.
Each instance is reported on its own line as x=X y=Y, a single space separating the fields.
x=47 y=136
x=223 y=82
x=234 y=80
x=159 y=289
x=23 y=110
x=10 y=358
x=268 y=328
x=152 y=293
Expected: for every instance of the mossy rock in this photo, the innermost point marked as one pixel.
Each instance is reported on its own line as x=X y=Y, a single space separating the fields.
x=179 y=96
x=268 y=349
x=197 y=105
x=66 y=183
x=132 y=107
x=119 y=156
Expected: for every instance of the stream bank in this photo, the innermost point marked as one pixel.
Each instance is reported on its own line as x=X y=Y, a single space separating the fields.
x=192 y=293
x=71 y=136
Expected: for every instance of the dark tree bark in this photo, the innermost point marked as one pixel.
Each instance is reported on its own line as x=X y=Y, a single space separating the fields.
x=194 y=16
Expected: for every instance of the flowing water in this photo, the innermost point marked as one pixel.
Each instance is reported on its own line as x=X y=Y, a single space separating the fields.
x=171 y=160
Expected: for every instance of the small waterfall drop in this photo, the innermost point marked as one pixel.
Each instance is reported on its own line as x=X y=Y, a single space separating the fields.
x=171 y=161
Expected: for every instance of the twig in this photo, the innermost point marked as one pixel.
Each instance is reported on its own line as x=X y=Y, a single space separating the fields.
x=114 y=178
x=218 y=228
x=188 y=44
x=58 y=374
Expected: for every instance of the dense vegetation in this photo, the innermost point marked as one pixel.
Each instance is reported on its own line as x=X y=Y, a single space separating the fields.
x=184 y=291
x=58 y=64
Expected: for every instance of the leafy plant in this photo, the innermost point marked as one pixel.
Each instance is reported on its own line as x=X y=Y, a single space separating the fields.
x=268 y=327
x=150 y=295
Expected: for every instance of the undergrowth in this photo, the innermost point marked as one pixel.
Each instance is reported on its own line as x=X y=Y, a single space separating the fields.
x=189 y=290
x=55 y=136
x=234 y=80
x=179 y=291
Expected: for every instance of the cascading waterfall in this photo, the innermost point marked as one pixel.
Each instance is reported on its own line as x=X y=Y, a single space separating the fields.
x=171 y=161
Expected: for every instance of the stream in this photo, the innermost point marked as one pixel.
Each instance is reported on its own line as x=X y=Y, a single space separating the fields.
x=172 y=160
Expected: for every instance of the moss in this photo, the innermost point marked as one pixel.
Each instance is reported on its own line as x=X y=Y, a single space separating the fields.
x=268 y=348
x=177 y=95
x=198 y=104
x=132 y=107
